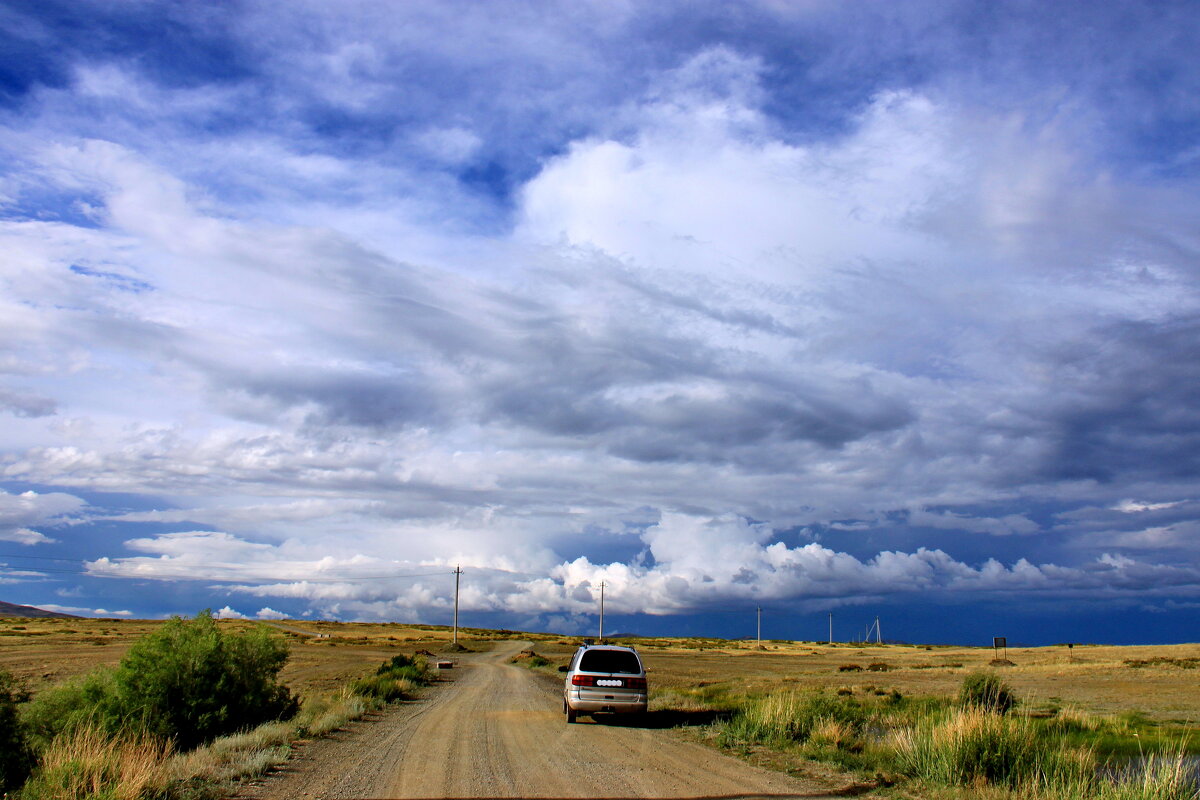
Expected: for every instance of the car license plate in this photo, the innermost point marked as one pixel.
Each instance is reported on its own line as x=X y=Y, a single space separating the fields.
x=609 y=682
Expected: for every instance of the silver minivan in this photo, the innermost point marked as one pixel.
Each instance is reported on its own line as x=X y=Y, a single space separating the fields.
x=604 y=678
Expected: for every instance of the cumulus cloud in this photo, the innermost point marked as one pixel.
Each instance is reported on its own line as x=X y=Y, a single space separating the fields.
x=690 y=563
x=267 y=612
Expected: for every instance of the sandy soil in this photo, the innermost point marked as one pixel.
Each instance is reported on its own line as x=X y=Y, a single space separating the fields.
x=497 y=731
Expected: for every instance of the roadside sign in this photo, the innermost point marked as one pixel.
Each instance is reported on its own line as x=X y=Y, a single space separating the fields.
x=998 y=643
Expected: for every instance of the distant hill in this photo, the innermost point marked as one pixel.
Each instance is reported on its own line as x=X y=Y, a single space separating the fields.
x=14 y=610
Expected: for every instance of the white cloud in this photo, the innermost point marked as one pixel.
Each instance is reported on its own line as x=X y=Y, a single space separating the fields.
x=84 y=612
x=1134 y=507
x=19 y=511
x=697 y=563
x=269 y=613
x=449 y=145
x=229 y=613
x=24 y=536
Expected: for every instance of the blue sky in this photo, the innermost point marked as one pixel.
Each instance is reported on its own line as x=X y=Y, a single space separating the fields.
x=884 y=309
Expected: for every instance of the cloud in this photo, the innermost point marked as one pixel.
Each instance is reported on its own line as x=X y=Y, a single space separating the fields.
x=269 y=613
x=613 y=294
x=26 y=405
x=691 y=564
x=1004 y=526
x=84 y=612
x=24 y=536
x=229 y=613
x=18 y=512
x=1133 y=506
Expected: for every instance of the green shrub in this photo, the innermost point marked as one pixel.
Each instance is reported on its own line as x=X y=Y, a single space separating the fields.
x=384 y=688
x=411 y=668
x=191 y=683
x=398 y=661
x=188 y=682
x=985 y=690
x=395 y=679
x=14 y=752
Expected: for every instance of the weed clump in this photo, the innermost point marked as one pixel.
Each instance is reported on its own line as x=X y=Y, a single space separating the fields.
x=985 y=691
x=530 y=659
x=395 y=679
x=793 y=716
x=974 y=747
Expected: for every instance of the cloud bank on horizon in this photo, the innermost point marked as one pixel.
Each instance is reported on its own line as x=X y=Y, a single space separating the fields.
x=797 y=305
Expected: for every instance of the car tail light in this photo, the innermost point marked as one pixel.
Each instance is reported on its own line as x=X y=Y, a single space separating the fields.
x=635 y=683
x=583 y=680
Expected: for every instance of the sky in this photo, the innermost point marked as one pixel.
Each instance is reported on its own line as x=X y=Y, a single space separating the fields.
x=869 y=309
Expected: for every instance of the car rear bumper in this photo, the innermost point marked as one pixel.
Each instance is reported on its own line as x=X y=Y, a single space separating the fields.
x=615 y=705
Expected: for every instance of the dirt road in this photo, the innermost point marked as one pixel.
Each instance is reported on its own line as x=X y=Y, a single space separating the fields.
x=498 y=732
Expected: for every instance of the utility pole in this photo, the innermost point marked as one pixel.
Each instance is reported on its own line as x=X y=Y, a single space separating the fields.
x=831 y=627
x=878 y=632
x=601 y=612
x=457 y=573
x=760 y=626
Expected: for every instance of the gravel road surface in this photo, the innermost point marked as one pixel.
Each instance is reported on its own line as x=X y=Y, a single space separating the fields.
x=498 y=732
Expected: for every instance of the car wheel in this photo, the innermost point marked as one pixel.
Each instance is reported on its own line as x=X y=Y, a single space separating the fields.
x=570 y=713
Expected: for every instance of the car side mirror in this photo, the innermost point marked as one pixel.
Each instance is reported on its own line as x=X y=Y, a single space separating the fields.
x=563 y=668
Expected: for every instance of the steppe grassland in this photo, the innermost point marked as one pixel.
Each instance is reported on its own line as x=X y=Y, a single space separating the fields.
x=1095 y=679
x=45 y=652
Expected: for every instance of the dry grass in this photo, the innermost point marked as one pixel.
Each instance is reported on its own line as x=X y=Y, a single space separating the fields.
x=1091 y=679
x=90 y=763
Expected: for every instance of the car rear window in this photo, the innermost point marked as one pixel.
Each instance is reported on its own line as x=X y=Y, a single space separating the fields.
x=610 y=661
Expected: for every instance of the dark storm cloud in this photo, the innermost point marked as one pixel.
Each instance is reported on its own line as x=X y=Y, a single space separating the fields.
x=1125 y=404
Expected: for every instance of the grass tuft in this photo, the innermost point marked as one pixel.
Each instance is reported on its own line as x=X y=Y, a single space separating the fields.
x=89 y=762
x=974 y=747
x=792 y=717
